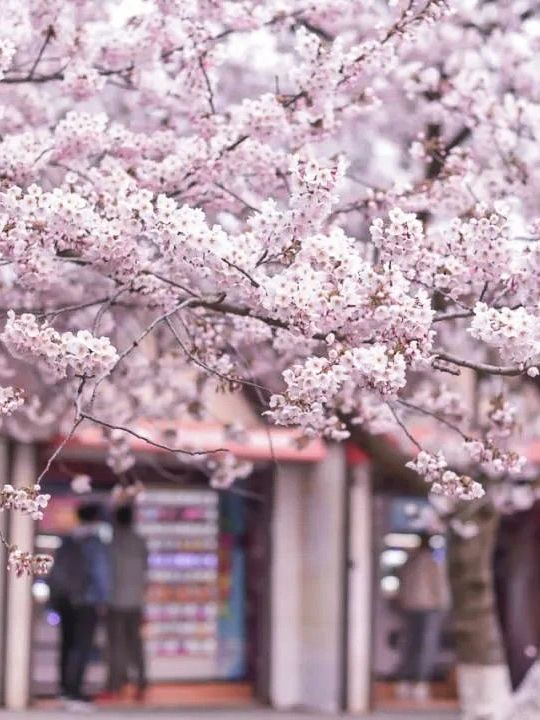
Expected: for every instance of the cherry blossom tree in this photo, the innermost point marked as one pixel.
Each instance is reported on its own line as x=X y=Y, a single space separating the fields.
x=333 y=204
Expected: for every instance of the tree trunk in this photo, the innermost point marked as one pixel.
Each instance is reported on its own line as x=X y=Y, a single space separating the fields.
x=519 y=571
x=483 y=678
x=517 y=586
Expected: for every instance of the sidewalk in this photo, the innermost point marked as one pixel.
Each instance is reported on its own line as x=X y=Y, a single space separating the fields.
x=245 y=714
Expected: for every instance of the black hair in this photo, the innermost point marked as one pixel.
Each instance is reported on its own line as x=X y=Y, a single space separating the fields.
x=89 y=512
x=124 y=515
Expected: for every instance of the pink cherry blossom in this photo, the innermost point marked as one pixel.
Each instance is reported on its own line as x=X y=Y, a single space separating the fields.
x=335 y=204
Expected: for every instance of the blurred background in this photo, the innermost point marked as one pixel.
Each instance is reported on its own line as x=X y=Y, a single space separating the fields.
x=310 y=584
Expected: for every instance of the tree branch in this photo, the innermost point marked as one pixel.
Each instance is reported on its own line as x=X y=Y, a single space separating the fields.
x=48 y=37
x=508 y=370
x=204 y=366
x=149 y=441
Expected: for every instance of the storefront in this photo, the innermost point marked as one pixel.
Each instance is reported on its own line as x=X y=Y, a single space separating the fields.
x=383 y=533
x=199 y=620
x=282 y=591
x=279 y=592
x=234 y=611
x=396 y=539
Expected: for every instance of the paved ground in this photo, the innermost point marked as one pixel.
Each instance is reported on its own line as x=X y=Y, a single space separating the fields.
x=220 y=715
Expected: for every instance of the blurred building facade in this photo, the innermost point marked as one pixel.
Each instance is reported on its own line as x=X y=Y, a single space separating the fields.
x=278 y=593
x=249 y=592
x=281 y=591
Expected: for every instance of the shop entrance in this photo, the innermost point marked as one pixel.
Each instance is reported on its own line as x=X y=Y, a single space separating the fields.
x=206 y=613
x=396 y=540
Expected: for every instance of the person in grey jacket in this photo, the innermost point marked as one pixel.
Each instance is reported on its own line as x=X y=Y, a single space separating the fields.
x=129 y=564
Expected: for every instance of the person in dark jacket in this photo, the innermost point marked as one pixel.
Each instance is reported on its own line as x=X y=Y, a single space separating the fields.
x=80 y=589
x=129 y=565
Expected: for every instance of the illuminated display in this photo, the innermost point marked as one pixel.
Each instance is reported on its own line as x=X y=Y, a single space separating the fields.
x=189 y=594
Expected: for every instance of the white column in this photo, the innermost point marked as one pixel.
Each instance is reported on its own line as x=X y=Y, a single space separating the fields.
x=323 y=529
x=360 y=579
x=19 y=591
x=286 y=588
x=4 y=470
x=485 y=692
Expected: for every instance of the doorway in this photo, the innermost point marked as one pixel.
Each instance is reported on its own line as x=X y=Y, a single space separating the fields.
x=396 y=537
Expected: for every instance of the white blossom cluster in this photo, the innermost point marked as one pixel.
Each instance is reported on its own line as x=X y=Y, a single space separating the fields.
x=29 y=500
x=314 y=388
x=514 y=332
x=493 y=460
x=11 y=398
x=434 y=469
x=502 y=417
x=456 y=257
x=222 y=190
x=80 y=353
x=25 y=563
x=402 y=233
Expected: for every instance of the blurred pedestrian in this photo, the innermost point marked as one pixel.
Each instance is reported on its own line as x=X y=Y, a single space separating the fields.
x=129 y=564
x=80 y=584
x=424 y=596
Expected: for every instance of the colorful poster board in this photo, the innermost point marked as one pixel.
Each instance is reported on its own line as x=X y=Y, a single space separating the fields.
x=195 y=596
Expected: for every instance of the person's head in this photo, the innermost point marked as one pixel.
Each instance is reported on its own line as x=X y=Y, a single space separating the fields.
x=89 y=512
x=124 y=516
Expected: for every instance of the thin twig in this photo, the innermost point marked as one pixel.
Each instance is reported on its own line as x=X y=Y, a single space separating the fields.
x=404 y=427
x=105 y=306
x=173 y=283
x=204 y=366
x=148 y=440
x=137 y=341
x=245 y=273
x=40 y=312
x=236 y=143
x=208 y=86
x=59 y=449
x=247 y=205
x=434 y=415
x=48 y=37
x=453 y=316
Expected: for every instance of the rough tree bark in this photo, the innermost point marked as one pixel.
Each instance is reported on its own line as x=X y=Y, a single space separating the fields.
x=483 y=677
